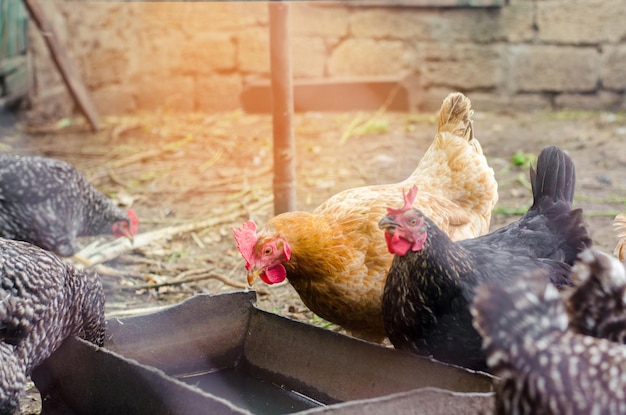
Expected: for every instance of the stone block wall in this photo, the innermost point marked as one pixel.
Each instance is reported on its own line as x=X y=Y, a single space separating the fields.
x=199 y=56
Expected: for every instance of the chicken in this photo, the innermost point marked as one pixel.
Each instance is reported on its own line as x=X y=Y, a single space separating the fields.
x=335 y=258
x=619 y=223
x=544 y=368
x=432 y=279
x=49 y=203
x=596 y=306
x=42 y=302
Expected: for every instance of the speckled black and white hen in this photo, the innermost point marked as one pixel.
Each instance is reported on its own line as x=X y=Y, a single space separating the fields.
x=48 y=203
x=544 y=368
x=42 y=302
x=596 y=306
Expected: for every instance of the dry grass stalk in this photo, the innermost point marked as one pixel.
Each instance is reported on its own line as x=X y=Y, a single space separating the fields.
x=93 y=255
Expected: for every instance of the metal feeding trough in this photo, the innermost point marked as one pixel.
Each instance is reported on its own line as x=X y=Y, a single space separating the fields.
x=222 y=355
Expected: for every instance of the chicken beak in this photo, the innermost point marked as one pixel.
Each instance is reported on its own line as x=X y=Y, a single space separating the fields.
x=253 y=275
x=129 y=236
x=387 y=223
x=123 y=228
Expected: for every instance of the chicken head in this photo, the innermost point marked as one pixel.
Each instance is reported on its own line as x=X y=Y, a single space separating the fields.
x=264 y=256
x=126 y=228
x=404 y=228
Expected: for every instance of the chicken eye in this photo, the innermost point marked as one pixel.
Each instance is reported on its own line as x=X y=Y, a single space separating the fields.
x=268 y=251
x=412 y=222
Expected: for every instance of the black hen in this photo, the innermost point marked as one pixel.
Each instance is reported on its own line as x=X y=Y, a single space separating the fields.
x=42 y=302
x=543 y=367
x=597 y=305
x=49 y=203
x=431 y=281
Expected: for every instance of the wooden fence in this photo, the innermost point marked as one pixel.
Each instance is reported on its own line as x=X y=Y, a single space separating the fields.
x=14 y=79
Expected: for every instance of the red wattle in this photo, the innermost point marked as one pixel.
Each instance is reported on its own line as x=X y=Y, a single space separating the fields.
x=397 y=245
x=274 y=275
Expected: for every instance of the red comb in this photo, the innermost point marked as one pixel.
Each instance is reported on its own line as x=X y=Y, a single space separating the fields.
x=134 y=222
x=409 y=198
x=246 y=238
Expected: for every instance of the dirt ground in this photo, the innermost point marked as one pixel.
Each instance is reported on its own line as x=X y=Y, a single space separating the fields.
x=177 y=169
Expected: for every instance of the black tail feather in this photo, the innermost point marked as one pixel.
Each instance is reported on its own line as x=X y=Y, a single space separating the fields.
x=555 y=177
x=553 y=184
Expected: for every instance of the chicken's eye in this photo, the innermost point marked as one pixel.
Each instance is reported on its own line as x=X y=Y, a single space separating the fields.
x=412 y=222
x=268 y=251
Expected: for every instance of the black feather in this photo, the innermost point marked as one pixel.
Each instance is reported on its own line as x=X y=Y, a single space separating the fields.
x=555 y=177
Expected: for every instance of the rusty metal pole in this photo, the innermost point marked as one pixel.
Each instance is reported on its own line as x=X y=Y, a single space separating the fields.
x=282 y=108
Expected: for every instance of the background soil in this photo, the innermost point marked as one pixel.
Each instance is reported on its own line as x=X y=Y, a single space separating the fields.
x=177 y=169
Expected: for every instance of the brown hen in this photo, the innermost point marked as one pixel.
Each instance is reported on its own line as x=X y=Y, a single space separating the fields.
x=336 y=257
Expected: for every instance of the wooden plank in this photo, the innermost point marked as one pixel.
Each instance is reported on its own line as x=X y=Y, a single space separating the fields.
x=426 y=3
x=64 y=64
x=355 y=94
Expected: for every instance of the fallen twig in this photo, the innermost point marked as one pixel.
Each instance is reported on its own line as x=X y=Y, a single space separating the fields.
x=183 y=275
x=207 y=276
x=134 y=311
x=123 y=128
x=137 y=157
x=112 y=272
x=116 y=179
x=197 y=240
x=91 y=256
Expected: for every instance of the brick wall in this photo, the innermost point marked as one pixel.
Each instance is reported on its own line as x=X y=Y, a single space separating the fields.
x=199 y=56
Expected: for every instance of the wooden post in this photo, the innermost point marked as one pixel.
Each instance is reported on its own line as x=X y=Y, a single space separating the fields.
x=64 y=64
x=282 y=108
